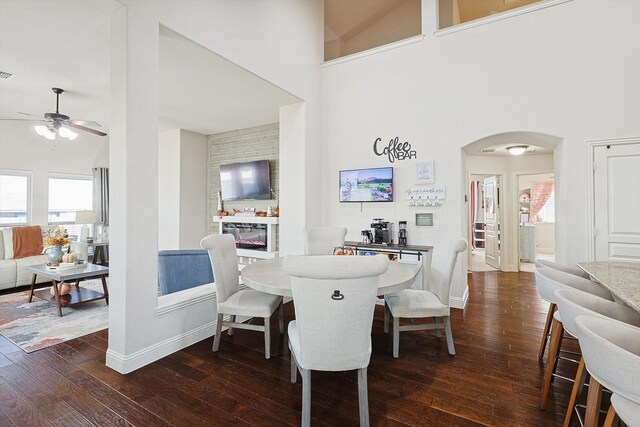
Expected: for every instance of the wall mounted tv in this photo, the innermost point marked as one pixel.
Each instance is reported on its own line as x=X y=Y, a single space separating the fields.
x=366 y=185
x=245 y=181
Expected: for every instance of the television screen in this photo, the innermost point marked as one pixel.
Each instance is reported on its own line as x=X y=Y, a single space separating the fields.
x=366 y=185
x=250 y=180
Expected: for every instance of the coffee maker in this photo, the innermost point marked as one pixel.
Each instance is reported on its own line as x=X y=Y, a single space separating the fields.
x=381 y=232
x=402 y=233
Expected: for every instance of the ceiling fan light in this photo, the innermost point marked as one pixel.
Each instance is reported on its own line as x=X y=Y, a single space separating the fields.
x=49 y=135
x=67 y=133
x=517 y=150
x=40 y=129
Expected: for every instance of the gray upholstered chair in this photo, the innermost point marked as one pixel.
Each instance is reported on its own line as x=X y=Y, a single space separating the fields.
x=553 y=279
x=323 y=240
x=573 y=303
x=611 y=352
x=334 y=301
x=541 y=263
x=548 y=281
x=230 y=299
x=432 y=302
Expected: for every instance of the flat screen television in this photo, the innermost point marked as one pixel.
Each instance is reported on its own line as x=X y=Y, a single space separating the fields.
x=366 y=185
x=242 y=181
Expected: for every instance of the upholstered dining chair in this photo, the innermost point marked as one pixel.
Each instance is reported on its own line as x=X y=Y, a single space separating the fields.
x=230 y=299
x=573 y=303
x=611 y=351
x=323 y=240
x=548 y=281
x=432 y=302
x=543 y=263
x=553 y=279
x=334 y=300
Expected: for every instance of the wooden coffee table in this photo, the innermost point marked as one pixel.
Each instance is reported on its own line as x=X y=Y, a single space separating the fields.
x=78 y=294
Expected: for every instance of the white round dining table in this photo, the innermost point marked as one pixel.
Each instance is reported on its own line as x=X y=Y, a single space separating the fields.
x=269 y=277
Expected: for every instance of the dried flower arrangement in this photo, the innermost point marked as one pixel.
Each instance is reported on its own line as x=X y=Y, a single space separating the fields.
x=56 y=238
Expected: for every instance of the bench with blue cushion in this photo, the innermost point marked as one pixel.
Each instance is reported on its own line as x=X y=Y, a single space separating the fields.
x=182 y=269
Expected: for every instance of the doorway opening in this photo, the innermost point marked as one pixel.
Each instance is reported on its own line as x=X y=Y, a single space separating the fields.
x=484 y=221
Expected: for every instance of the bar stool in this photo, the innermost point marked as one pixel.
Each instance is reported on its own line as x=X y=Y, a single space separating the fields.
x=574 y=303
x=612 y=356
x=548 y=281
x=541 y=263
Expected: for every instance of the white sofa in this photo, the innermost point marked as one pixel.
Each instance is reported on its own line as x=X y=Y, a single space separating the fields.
x=12 y=271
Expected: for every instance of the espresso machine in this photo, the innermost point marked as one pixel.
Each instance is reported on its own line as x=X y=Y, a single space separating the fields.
x=382 y=234
x=402 y=233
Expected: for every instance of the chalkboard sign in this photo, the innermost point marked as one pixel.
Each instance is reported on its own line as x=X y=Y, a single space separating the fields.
x=424 y=219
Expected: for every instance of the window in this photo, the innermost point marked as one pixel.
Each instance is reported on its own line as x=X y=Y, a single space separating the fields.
x=15 y=198
x=67 y=195
x=455 y=12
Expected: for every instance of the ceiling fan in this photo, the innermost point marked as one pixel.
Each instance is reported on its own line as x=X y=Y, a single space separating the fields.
x=60 y=123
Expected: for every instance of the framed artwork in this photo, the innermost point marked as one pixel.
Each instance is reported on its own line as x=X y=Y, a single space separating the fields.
x=425 y=173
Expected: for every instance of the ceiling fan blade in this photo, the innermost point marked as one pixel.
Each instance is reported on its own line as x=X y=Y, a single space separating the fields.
x=85 y=123
x=26 y=114
x=24 y=120
x=84 y=128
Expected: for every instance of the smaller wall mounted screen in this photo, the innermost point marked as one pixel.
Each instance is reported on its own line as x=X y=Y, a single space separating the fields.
x=366 y=185
x=245 y=181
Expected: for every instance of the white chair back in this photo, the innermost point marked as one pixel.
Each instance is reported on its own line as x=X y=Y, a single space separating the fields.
x=224 y=262
x=334 y=298
x=573 y=303
x=541 y=263
x=323 y=240
x=442 y=268
x=611 y=352
x=548 y=280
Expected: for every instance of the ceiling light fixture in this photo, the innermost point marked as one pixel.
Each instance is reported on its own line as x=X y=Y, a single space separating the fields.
x=49 y=132
x=43 y=130
x=67 y=133
x=517 y=150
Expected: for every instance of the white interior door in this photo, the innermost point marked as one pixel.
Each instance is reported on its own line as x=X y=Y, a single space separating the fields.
x=492 y=221
x=617 y=202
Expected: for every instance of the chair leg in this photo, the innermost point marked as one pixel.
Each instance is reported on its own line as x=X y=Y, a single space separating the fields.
x=216 y=339
x=575 y=392
x=556 y=334
x=363 y=398
x=281 y=320
x=396 y=336
x=294 y=368
x=267 y=338
x=436 y=320
x=447 y=330
x=611 y=417
x=230 y=330
x=593 y=403
x=386 y=318
x=545 y=333
x=306 y=397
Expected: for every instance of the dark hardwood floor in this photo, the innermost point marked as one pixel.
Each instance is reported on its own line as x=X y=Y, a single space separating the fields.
x=493 y=380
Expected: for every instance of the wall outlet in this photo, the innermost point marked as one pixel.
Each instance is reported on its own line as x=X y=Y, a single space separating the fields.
x=436 y=226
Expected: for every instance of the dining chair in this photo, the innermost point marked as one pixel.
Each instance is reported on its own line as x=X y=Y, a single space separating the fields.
x=611 y=353
x=542 y=263
x=421 y=303
x=323 y=240
x=233 y=301
x=548 y=281
x=573 y=303
x=334 y=300
x=554 y=279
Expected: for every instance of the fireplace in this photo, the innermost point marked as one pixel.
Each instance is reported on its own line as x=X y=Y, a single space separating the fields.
x=248 y=235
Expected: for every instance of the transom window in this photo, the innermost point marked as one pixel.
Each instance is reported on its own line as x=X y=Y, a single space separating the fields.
x=15 y=198
x=69 y=194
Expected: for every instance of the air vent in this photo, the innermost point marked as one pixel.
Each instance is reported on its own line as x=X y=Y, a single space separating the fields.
x=5 y=76
x=488 y=150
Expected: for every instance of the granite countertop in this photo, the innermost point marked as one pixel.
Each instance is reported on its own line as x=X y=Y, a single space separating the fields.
x=622 y=279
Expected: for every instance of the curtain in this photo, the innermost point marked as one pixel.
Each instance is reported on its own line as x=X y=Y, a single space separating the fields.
x=101 y=195
x=540 y=193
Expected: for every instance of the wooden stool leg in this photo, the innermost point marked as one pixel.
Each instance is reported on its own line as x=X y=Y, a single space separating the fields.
x=593 y=403
x=575 y=392
x=554 y=344
x=547 y=327
x=611 y=417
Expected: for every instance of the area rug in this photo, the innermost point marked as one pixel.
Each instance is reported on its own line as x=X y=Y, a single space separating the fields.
x=36 y=325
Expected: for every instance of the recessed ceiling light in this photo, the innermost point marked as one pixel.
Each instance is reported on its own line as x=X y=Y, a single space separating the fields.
x=517 y=150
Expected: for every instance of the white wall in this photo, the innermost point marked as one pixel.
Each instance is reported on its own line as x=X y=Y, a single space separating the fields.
x=569 y=70
x=169 y=189
x=279 y=41
x=22 y=149
x=193 y=189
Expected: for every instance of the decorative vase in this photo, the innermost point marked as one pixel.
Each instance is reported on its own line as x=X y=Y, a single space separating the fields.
x=55 y=254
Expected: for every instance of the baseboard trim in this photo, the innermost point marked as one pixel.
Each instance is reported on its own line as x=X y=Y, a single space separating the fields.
x=461 y=303
x=128 y=363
